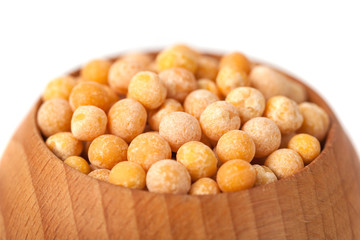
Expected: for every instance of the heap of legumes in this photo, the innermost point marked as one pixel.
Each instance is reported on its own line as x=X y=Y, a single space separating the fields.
x=182 y=122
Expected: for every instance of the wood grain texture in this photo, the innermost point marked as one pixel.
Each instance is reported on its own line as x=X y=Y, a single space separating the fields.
x=41 y=198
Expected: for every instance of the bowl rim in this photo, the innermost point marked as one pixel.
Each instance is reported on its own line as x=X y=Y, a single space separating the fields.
x=312 y=94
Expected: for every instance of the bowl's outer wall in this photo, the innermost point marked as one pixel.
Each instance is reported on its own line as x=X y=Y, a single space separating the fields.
x=40 y=197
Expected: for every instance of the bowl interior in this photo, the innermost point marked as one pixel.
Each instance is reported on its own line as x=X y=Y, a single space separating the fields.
x=312 y=97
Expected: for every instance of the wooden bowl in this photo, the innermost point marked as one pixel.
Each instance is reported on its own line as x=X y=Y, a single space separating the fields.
x=40 y=197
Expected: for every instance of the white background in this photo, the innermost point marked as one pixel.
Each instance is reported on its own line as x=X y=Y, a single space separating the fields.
x=318 y=41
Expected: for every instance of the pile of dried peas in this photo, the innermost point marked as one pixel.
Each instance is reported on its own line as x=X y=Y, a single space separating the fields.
x=182 y=122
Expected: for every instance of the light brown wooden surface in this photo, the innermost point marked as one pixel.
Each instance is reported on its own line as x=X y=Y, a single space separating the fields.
x=41 y=198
